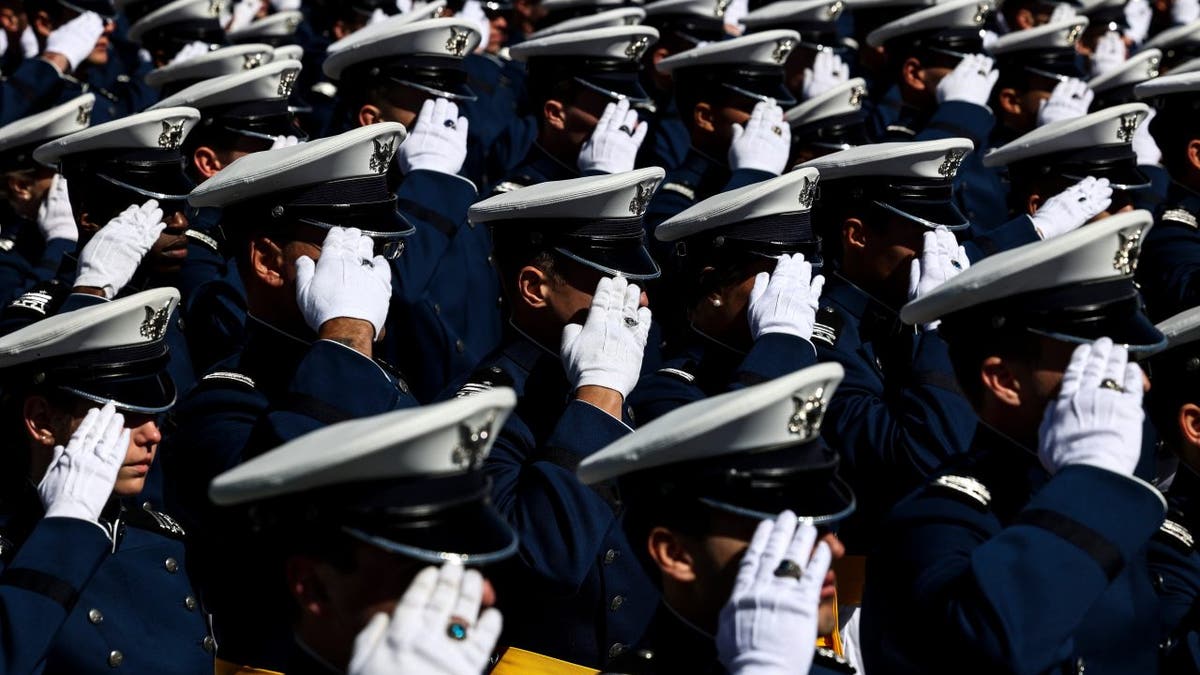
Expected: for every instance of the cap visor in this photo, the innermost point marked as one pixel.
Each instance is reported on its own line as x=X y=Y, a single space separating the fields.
x=631 y=262
x=146 y=394
x=471 y=534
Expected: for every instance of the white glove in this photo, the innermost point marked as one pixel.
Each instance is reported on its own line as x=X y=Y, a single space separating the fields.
x=1144 y=146
x=55 y=219
x=971 y=81
x=285 y=5
x=109 y=260
x=1070 y=99
x=989 y=39
x=438 y=140
x=29 y=43
x=1109 y=53
x=1072 y=207
x=1138 y=15
x=734 y=13
x=607 y=350
x=416 y=638
x=284 y=142
x=76 y=38
x=1185 y=11
x=190 y=51
x=769 y=624
x=764 y=143
x=376 y=16
x=472 y=10
x=828 y=71
x=348 y=281
x=613 y=145
x=1091 y=422
x=785 y=301
x=81 y=476
x=244 y=13
x=1062 y=12
x=941 y=259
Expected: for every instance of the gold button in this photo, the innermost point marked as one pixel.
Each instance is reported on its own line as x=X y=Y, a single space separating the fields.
x=95 y=616
x=189 y=602
x=115 y=658
x=172 y=565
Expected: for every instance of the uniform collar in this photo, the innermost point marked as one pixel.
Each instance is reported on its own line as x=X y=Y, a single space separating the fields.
x=542 y=158
x=1182 y=197
x=857 y=302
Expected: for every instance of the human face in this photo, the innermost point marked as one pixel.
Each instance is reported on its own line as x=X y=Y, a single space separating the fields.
x=144 y=437
x=581 y=116
x=719 y=554
x=170 y=249
x=497 y=32
x=884 y=257
x=726 y=320
x=570 y=295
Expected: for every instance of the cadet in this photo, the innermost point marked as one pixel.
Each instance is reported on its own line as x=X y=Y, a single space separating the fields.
x=696 y=483
x=681 y=25
x=1177 y=44
x=1040 y=71
x=350 y=514
x=573 y=353
x=446 y=310
x=816 y=64
x=168 y=29
x=317 y=295
x=1117 y=87
x=743 y=276
x=886 y=216
x=829 y=122
x=1172 y=407
x=232 y=60
x=729 y=95
x=1172 y=251
x=111 y=355
x=36 y=83
x=41 y=229
x=584 y=90
x=1089 y=160
x=63 y=548
x=1034 y=543
x=239 y=114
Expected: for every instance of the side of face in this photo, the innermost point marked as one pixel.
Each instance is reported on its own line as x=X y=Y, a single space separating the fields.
x=881 y=255
x=722 y=313
x=1018 y=389
x=26 y=190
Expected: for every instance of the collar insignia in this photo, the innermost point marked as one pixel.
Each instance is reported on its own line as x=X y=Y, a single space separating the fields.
x=637 y=47
x=172 y=134
x=1129 y=125
x=645 y=190
x=457 y=42
x=381 y=156
x=286 y=80
x=783 y=48
x=154 y=326
x=1126 y=259
x=472 y=444
x=806 y=420
x=954 y=159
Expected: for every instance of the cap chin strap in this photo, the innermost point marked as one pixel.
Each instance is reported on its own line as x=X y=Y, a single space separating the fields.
x=435 y=557
x=142 y=191
x=922 y=221
x=763 y=515
x=435 y=92
x=640 y=103
x=125 y=407
x=609 y=270
x=1076 y=340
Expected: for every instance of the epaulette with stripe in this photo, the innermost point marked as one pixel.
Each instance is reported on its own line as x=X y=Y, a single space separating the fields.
x=1181 y=216
x=966 y=488
x=229 y=376
x=680 y=189
x=1176 y=534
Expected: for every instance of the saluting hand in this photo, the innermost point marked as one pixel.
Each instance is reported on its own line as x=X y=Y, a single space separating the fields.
x=764 y=143
x=613 y=145
x=109 y=260
x=941 y=259
x=81 y=475
x=785 y=301
x=438 y=140
x=607 y=350
x=348 y=281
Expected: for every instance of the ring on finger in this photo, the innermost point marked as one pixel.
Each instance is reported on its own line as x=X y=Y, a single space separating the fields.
x=1109 y=383
x=789 y=568
x=450 y=124
x=457 y=628
x=631 y=322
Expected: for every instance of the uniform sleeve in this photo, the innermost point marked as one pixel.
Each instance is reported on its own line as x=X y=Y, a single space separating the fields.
x=40 y=588
x=947 y=569
x=959 y=119
x=903 y=428
x=1168 y=269
x=33 y=86
x=561 y=523
x=18 y=276
x=436 y=204
x=983 y=242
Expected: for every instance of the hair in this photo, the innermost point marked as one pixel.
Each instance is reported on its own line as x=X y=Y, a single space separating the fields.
x=971 y=344
x=547 y=83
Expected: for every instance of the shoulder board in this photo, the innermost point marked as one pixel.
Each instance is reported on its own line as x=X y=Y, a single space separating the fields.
x=829 y=659
x=326 y=89
x=900 y=130
x=1181 y=216
x=828 y=326
x=146 y=518
x=229 y=376
x=1175 y=533
x=678 y=373
x=483 y=380
x=203 y=239
x=42 y=300
x=7 y=244
x=680 y=189
x=965 y=486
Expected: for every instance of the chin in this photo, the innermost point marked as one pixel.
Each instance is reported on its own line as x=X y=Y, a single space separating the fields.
x=129 y=487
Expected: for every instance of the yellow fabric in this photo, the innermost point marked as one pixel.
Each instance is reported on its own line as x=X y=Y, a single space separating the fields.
x=520 y=662
x=227 y=668
x=833 y=640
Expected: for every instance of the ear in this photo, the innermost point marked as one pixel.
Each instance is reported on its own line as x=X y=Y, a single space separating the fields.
x=670 y=555
x=1000 y=380
x=1193 y=153
x=1024 y=20
x=1189 y=434
x=368 y=115
x=1033 y=203
x=554 y=113
x=912 y=74
x=854 y=234
x=266 y=260
x=702 y=117
x=42 y=24
x=206 y=161
x=533 y=286
x=340 y=29
x=1010 y=101
x=20 y=188
x=39 y=420
x=304 y=583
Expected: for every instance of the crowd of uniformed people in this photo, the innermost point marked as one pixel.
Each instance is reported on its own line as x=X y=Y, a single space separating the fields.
x=598 y=336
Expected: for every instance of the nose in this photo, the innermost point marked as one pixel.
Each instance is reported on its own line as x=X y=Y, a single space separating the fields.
x=148 y=434
x=177 y=221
